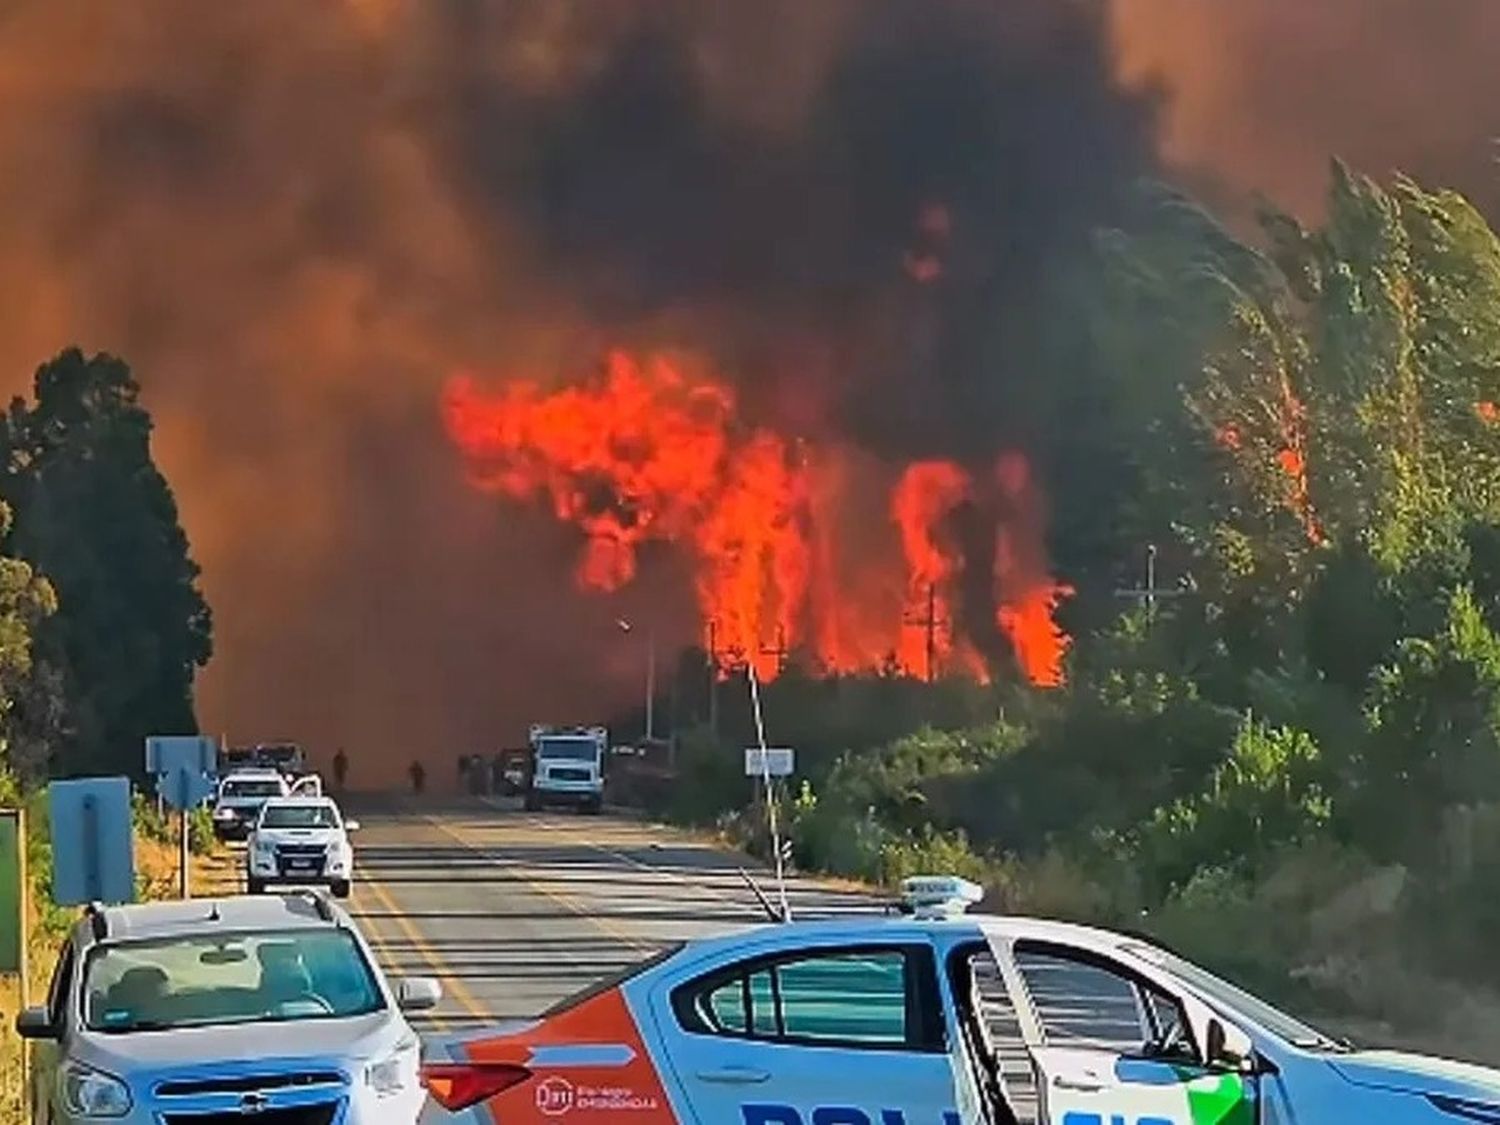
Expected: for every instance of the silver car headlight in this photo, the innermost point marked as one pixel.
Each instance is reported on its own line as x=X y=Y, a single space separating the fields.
x=91 y=1093
x=396 y=1071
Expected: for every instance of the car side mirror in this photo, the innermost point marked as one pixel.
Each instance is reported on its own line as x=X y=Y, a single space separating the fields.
x=351 y=826
x=35 y=1023
x=418 y=994
x=1229 y=1048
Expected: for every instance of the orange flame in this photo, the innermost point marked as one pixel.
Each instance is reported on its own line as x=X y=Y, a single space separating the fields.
x=1024 y=591
x=651 y=450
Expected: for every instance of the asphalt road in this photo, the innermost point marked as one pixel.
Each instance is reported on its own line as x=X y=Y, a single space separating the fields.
x=513 y=910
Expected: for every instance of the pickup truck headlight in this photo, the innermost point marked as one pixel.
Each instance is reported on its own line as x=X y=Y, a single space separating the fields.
x=396 y=1071
x=91 y=1093
x=222 y=813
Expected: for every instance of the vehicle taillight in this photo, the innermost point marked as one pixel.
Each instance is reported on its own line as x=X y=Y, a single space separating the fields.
x=457 y=1086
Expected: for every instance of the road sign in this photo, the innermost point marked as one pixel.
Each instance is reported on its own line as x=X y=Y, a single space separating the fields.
x=12 y=892
x=170 y=753
x=184 y=788
x=93 y=849
x=778 y=761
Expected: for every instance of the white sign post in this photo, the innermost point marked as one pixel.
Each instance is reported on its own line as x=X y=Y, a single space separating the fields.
x=774 y=761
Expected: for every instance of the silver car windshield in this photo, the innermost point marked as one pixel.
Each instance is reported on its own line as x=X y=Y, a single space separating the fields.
x=299 y=816
x=1234 y=999
x=197 y=981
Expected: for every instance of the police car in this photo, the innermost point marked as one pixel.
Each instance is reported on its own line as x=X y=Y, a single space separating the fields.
x=937 y=1017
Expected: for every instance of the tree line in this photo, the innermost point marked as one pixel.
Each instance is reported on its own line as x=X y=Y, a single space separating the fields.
x=103 y=625
x=1290 y=765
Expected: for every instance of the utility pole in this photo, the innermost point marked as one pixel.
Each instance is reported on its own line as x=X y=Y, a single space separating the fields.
x=1148 y=593
x=779 y=651
x=930 y=624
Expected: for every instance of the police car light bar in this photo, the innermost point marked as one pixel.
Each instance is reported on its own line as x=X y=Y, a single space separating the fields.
x=939 y=896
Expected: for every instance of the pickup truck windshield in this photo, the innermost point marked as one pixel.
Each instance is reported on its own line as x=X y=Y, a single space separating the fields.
x=195 y=981
x=299 y=816
x=266 y=788
x=568 y=749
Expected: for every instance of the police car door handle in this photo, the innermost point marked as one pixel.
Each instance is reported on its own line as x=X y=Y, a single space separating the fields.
x=735 y=1076
x=1082 y=1085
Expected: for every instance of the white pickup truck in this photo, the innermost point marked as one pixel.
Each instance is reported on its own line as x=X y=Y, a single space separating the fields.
x=302 y=841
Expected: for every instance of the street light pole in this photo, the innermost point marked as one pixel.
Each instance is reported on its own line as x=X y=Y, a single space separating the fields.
x=625 y=626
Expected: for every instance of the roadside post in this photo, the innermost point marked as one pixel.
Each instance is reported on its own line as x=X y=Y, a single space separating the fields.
x=93 y=848
x=14 y=915
x=184 y=767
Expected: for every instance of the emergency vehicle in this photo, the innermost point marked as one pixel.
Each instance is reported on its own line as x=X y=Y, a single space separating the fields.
x=935 y=1016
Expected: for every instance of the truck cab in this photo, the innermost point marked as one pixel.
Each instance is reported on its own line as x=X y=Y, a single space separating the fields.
x=567 y=767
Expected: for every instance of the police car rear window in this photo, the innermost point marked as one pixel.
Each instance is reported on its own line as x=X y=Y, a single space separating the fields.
x=614 y=980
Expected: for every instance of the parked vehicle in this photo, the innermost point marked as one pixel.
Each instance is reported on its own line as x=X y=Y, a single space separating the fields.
x=937 y=1018
x=303 y=840
x=567 y=767
x=268 y=1008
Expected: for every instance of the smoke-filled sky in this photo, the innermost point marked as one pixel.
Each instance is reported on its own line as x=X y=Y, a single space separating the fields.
x=296 y=219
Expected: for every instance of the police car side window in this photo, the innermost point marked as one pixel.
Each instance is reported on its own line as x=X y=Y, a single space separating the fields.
x=874 y=998
x=1080 y=1002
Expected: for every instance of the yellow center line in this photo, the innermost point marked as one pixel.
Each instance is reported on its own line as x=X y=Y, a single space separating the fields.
x=440 y=968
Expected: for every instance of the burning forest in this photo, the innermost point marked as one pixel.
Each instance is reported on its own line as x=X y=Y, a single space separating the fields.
x=653 y=450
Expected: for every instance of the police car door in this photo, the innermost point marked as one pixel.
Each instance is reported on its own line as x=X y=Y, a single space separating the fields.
x=846 y=1035
x=1110 y=1047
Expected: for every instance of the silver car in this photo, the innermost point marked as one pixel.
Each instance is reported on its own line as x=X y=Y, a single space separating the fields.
x=210 y=1009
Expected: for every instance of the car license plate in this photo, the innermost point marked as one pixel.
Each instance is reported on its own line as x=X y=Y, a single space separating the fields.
x=301 y=866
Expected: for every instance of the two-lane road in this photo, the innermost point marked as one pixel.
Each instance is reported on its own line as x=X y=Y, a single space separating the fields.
x=513 y=911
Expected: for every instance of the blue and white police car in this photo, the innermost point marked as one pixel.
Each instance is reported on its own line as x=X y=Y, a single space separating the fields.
x=936 y=1017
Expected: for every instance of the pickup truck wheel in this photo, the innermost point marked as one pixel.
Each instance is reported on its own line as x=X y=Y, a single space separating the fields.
x=532 y=803
x=255 y=886
x=340 y=888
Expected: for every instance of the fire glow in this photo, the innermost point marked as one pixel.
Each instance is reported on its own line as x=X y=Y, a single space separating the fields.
x=653 y=451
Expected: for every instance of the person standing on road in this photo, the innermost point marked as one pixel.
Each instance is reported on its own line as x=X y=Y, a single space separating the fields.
x=418 y=777
x=340 y=769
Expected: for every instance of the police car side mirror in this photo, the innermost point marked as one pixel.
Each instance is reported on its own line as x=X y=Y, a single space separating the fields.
x=35 y=1023
x=351 y=826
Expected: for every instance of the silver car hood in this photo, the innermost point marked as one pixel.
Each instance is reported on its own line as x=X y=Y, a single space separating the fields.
x=237 y=1048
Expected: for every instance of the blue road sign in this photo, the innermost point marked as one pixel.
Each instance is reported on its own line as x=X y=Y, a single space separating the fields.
x=170 y=753
x=184 y=788
x=93 y=849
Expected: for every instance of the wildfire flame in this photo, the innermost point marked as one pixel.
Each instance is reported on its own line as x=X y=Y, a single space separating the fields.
x=653 y=450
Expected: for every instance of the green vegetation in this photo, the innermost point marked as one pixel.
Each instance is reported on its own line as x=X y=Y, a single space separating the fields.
x=115 y=662
x=1291 y=768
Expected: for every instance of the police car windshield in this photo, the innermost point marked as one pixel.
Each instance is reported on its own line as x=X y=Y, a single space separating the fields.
x=215 y=979
x=1233 y=999
x=252 y=788
x=568 y=749
x=299 y=816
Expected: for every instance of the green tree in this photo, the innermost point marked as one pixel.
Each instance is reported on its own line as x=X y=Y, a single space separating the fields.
x=97 y=517
x=27 y=686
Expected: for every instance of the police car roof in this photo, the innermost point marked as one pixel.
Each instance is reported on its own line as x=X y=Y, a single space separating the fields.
x=861 y=927
x=237 y=913
x=294 y=799
x=253 y=773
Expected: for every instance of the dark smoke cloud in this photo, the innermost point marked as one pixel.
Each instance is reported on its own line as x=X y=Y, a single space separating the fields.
x=295 y=218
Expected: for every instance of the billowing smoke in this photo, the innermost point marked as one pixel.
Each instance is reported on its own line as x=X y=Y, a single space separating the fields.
x=297 y=219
